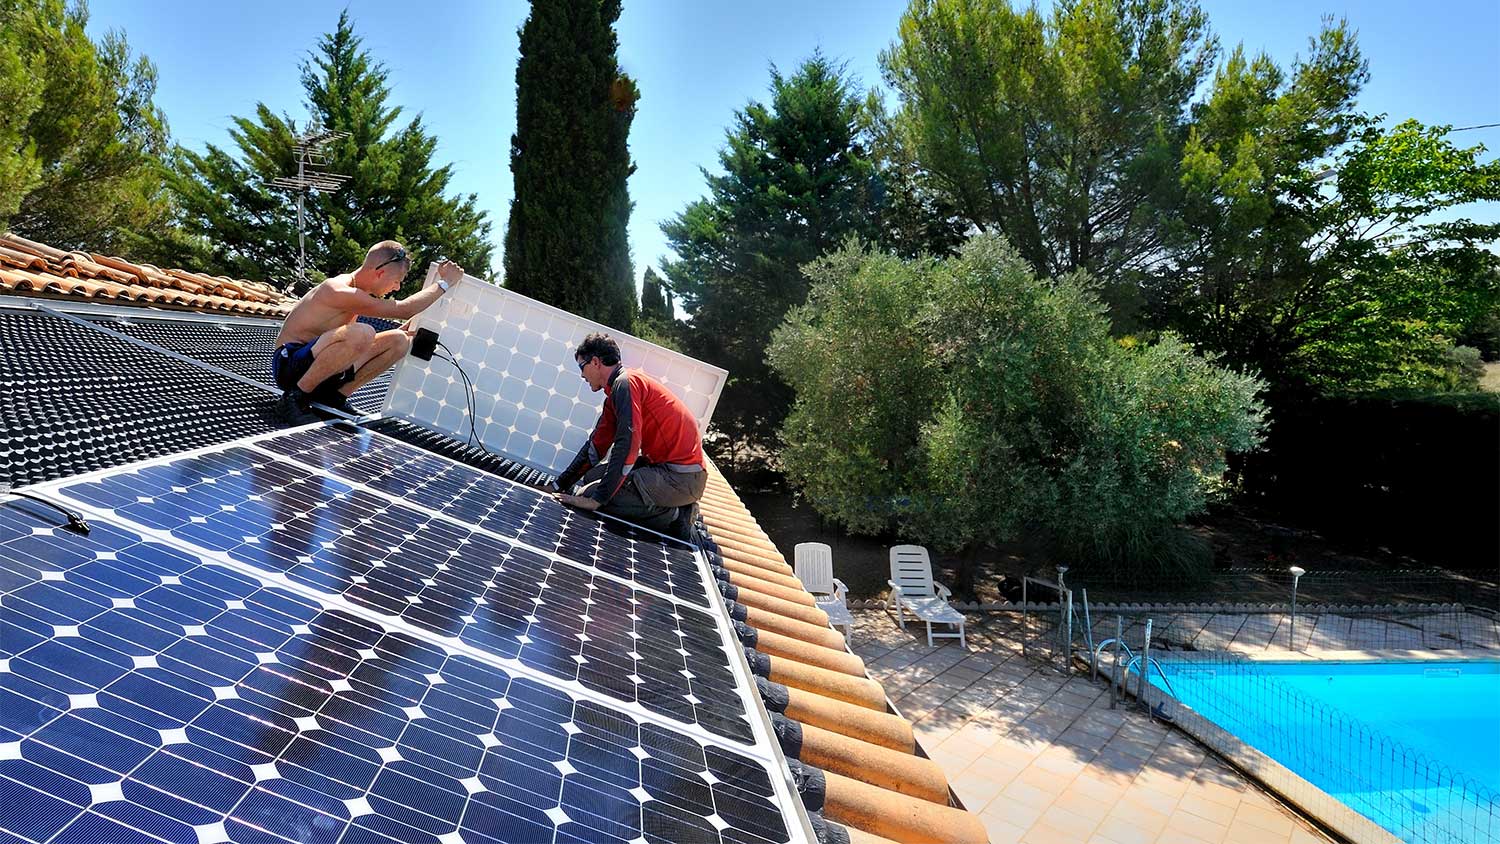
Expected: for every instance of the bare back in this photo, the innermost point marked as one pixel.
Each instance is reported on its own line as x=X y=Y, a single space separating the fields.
x=316 y=313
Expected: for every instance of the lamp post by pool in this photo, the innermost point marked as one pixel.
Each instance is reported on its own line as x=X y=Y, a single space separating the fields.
x=1291 y=636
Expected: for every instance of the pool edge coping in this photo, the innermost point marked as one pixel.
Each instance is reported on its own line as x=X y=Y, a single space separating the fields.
x=1466 y=655
x=1312 y=801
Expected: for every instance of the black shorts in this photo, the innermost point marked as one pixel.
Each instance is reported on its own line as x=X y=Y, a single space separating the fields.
x=292 y=360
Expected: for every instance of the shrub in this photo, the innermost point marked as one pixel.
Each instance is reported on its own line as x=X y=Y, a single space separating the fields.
x=968 y=402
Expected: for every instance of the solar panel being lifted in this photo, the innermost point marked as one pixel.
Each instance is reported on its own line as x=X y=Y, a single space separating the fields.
x=147 y=695
x=576 y=620
x=77 y=400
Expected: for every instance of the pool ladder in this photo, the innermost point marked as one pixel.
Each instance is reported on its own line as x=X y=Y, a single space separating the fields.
x=1133 y=660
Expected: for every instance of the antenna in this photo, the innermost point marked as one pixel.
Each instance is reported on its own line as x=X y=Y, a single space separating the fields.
x=310 y=176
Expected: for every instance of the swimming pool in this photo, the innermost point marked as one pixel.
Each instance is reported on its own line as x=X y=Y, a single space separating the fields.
x=1413 y=746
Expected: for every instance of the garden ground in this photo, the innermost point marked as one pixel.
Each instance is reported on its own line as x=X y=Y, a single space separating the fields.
x=1240 y=538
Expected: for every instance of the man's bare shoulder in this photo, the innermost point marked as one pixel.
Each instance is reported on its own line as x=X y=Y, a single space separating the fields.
x=318 y=310
x=331 y=286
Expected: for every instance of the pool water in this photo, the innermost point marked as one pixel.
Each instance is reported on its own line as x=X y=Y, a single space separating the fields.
x=1307 y=716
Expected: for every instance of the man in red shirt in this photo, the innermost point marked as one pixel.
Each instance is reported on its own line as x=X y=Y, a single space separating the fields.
x=644 y=459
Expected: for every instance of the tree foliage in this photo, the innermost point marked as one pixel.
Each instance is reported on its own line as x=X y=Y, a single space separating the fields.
x=969 y=402
x=1307 y=246
x=1059 y=130
x=81 y=140
x=798 y=179
x=1104 y=136
x=565 y=242
x=242 y=226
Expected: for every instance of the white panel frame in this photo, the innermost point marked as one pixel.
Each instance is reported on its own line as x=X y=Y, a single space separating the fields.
x=531 y=405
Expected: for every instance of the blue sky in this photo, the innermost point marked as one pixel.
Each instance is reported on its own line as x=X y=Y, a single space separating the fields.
x=696 y=62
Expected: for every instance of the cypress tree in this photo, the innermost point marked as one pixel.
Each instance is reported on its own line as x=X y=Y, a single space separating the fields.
x=565 y=242
x=655 y=305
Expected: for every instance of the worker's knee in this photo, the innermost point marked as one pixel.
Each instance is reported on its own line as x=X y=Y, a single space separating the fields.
x=397 y=340
x=359 y=335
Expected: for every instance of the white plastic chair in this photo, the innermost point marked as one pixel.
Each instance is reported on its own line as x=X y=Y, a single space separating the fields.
x=814 y=567
x=912 y=588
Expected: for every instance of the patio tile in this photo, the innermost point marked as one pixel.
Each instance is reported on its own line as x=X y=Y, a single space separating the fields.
x=1149 y=798
x=1041 y=758
x=976 y=791
x=1071 y=826
x=1011 y=810
x=1001 y=829
x=1269 y=820
x=1190 y=824
x=1196 y=804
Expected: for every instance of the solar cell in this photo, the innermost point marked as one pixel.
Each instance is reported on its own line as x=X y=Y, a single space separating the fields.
x=435 y=573
x=77 y=400
x=148 y=695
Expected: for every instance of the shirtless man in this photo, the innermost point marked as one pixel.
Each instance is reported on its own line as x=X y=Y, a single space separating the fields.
x=323 y=354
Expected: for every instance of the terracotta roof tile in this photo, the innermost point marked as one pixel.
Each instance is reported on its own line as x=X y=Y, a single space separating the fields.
x=36 y=269
x=827 y=712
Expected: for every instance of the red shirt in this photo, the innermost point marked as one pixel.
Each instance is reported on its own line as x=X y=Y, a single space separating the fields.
x=641 y=419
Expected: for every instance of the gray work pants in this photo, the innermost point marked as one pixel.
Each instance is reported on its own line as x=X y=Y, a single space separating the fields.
x=650 y=495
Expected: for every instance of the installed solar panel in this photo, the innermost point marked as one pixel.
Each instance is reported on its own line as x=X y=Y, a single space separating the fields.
x=441 y=443
x=241 y=346
x=569 y=622
x=146 y=695
x=76 y=400
x=508 y=509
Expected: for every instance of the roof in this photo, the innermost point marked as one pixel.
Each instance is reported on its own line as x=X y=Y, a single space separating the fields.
x=855 y=758
x=28 y=268
x=875 y=778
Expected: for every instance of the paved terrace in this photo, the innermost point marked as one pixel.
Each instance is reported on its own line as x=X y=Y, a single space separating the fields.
x=1042 y=759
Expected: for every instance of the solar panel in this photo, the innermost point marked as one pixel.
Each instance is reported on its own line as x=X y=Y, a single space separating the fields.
x=77 y=400
x=243 y=347
x=531 y=405
x=507 y=509
x=148 y=695
x=470 y=455
x=569 y=620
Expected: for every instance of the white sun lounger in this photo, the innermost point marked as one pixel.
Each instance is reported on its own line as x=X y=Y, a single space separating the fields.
x=912 y=588
x=814 y=567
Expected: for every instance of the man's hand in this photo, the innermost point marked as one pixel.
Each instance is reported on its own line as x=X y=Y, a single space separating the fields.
x=582 y=502
x=450 y=272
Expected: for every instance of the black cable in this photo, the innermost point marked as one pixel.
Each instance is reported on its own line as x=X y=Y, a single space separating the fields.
x=75 y=520
x=471 y=398
x=469 y=395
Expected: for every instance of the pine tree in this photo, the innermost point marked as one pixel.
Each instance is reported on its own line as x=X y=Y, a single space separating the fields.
x=248 y=229
x=81 y=140
x=798 y=181
x=565 y=243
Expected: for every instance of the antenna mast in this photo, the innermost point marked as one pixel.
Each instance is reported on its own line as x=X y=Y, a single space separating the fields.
x=310 y=176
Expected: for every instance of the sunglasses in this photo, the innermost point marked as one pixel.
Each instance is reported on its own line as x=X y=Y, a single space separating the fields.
x=398 y=255
x=583 y=363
